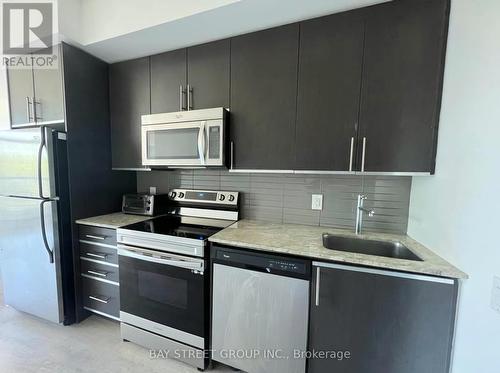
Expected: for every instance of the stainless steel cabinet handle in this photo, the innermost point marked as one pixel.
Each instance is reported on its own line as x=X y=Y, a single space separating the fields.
x=182 y=91
x=318 y=277
x=28 y=109
x=100 y=256
x=232 y=154
x=104 y=300
x=189 y=97
x=98 y=273
x=351 y=153
x=363 y=155
x=95 y=237
x=35 y=111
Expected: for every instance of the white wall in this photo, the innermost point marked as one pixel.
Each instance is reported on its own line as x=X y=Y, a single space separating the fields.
x=112 y=18
x=70 y=20
x=116 y=30
x=457 y=211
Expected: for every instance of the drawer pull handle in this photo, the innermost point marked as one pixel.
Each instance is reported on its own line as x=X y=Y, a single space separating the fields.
x=98 y=273
x=100 y=256
x=100 y=299
x=102 y=238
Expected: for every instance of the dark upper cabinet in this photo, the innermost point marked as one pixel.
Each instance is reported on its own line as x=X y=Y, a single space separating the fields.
x=21 y=94
x=208 y=74
x=330 y=66
x=49 y=98
x=402 y=81
x=129 y=89
x=168 y=77
x=263 y=98
x=382 y=318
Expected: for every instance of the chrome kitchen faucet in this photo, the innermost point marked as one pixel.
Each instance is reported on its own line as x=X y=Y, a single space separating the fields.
x=359 y=213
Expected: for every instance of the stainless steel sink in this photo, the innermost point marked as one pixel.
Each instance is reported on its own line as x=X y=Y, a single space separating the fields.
x=371 y=247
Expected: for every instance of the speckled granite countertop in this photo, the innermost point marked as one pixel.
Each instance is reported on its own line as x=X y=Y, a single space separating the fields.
x=306 y=241
x=113 y=221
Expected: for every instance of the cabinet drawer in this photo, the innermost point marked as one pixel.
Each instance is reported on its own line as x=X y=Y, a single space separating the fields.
x=101 y=297
x=104 y=236
x=100 y=253
x=100 y=271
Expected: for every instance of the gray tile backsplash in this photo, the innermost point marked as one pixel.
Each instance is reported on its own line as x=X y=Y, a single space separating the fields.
x=287 y=198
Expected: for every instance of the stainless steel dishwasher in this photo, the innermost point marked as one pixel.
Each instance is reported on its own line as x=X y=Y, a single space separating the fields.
x=260 y=310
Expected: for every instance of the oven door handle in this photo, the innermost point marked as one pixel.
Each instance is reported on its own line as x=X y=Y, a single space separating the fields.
x=194 y=265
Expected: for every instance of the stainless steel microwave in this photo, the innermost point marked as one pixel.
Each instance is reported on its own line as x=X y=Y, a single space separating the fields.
x=194 y=138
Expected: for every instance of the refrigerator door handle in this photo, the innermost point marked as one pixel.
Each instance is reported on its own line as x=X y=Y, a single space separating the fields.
x=43 y=143
x=44 y=233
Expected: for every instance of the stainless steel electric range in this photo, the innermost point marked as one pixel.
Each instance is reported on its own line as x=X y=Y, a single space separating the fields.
x=164 y=285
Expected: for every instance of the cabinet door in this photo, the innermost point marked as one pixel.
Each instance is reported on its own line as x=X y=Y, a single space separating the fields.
x=402 y=83
x=389 y=322
x=129 y=99
x=263 y=98
x=208 y=74
x=4 y=102
x=49 y=101
x=168 y=74
x=20 y=85
x=330 y=66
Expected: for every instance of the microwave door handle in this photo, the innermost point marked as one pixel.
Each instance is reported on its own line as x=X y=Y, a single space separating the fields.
x=201 y=143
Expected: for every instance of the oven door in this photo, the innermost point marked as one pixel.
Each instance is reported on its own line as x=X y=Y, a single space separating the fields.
x=163 y=293
x=196 y=144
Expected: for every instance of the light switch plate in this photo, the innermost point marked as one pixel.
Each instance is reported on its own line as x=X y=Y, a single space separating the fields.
x=152 y=190
x=317 y=202
x=495 y=294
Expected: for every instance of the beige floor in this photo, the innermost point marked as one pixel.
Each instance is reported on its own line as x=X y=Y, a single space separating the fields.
x=28 y=344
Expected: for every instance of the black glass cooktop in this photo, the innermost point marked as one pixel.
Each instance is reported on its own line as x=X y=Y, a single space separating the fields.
x=194 y=228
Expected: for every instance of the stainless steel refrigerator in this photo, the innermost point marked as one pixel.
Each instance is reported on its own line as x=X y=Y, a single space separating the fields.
x=36 y=264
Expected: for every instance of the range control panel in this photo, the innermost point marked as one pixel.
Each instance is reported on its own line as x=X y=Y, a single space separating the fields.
x=204 y=196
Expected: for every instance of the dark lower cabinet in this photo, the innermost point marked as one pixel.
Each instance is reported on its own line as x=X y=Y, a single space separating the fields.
x=98 y=282
x=404 y=57
x=330 y=65
x=129 y=92
x=208 y=74
x=168 y=77
x=263 y=98
x=389 y=322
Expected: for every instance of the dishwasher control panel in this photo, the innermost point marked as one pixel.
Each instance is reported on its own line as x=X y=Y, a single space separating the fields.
x=262 y=262
x=284 y=265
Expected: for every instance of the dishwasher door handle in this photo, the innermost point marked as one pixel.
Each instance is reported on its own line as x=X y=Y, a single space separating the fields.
x=318 y=278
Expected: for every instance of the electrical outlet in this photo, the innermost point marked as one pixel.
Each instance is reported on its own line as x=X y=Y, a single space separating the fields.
x=317 y=202
x=495 y=294
x=152 y=190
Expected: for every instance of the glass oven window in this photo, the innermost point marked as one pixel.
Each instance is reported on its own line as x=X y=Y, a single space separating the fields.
x=179 y=143
x=167 y=290
x=166 y=294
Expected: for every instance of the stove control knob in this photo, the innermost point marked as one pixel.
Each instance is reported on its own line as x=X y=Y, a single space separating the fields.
x=231 y=198
x=173 y=194
x=181 y=195
x=222 y=197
